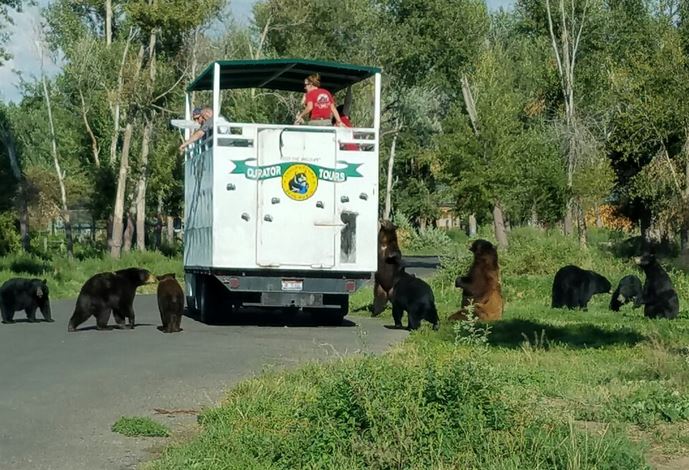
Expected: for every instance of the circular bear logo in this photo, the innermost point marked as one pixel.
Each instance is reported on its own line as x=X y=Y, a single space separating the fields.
x=299 y=182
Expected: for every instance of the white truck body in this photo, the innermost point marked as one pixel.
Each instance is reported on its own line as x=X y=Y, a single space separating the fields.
x=280 y=214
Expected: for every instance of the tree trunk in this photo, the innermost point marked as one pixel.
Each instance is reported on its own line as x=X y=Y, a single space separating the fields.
x=599 y=219
x=472 y=226
x=58 y=171
x=128 y=232
x=116 y=104
x=118 y=211
x=569 y=219
x=7 y=140
x=108 y=22
x=170 y=230
x=499 y=226
x=388 y=187
x=141 y=189
x=94 y=142
x=581 y=225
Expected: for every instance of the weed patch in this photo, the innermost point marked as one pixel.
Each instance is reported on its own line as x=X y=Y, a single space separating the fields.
x=138 y=426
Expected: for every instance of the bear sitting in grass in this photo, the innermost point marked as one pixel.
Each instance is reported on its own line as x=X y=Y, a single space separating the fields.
x=658 y=297
x=24 y=294
x=481 y=286
x=573 y=287
x=170 y=303
x=106 y=292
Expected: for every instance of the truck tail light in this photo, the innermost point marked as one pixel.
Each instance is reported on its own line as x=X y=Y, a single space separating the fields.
x=233 y=283
x=350 y=286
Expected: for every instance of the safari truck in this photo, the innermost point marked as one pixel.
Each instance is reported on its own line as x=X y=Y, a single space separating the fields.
x=279 y=215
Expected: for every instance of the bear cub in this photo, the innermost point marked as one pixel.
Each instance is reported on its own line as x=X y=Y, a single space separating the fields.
x=658 y=296
x=629 y=289
x=573 y=287
x=24 y=294
x=170 y=303
x=106 y=292
x=414 y=296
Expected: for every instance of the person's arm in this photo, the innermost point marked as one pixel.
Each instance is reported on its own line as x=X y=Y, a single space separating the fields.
x=307 y=110
x=194 y=137
x=338 y=120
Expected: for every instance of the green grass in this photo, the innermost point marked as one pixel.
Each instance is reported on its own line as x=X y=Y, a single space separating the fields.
x=139 y=426
x=542 y=388
x=65 y=277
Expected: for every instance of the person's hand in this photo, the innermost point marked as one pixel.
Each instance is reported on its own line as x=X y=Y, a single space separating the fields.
x=181 y=148
x=298 y=120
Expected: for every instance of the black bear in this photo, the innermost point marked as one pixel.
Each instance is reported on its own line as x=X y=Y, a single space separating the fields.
x=658 y=296
x=24 y=294
x=170 y=303
x=481 y=285
x=627 y=290
x=414 y=296
x=105 y=292
x=389 y=264
x=573 y=287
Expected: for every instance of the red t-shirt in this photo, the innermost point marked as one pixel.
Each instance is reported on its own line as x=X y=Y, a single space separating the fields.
x=322 y=100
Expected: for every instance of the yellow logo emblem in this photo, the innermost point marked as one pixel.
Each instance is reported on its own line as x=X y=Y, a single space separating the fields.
x=299 y=182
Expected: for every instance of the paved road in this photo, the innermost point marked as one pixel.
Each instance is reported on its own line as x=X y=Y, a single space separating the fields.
x=422 y=266
x=61 y=392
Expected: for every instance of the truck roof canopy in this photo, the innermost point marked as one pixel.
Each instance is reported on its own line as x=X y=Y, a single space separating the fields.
x=281 y=74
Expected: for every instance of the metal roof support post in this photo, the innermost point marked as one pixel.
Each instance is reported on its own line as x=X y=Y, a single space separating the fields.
x=216 y=102
x=187 y=114
x=376 y=107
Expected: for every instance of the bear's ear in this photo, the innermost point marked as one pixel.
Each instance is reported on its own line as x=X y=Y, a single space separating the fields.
x=45 y=282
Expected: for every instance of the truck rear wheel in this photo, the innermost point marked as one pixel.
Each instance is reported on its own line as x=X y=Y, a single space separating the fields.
x=209 y=299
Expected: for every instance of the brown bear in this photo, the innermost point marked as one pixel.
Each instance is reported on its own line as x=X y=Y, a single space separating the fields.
x=482 y=284
x=389 y=263
x=170 y=303
x=105 y=292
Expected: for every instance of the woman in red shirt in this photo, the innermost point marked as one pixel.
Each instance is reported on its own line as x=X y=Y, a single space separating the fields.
x=320 y=104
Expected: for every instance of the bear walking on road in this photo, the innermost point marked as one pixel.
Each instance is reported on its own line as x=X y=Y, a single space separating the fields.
x=24 y=294
x=481 y=285
x=658 y=296
x=627 y=290
x=573 y=287
x=170 y=303
x=106 y=292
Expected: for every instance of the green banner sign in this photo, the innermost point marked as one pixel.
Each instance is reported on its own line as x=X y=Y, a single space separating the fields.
x=257 y=172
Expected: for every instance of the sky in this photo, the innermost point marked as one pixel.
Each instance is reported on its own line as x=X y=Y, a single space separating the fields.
x=26 y=57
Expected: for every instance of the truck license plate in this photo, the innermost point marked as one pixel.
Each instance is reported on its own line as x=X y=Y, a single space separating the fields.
x=292 y=284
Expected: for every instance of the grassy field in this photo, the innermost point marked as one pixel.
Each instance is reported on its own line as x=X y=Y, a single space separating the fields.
x=66 y=276
x=540 y=389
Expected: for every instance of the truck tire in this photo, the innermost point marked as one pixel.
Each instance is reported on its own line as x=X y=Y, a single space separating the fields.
x=209 y=299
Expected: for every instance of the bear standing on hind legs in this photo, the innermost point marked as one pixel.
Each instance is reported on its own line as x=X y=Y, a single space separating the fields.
x=658 y=296
x=482 y=284
x=170 y=303
x=389 y=265
x=106 y=292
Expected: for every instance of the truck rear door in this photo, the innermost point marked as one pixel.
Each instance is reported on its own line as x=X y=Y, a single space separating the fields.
x=296 y=209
